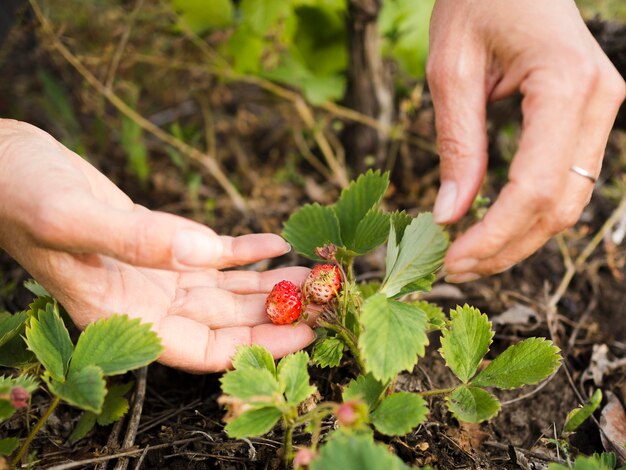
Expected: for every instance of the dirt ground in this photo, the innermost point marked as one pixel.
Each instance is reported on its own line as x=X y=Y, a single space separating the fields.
x=259 y=141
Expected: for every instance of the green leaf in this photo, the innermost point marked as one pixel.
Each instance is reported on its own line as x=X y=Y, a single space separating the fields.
x=250 y=383
x=15 y=353
x=368 y=289
x=115 y=403
x=578 y=416
x=132 y=141
x=583 y=463
x=6 y=410
x=328 y=352
x=48 y=338
x=424 y=284
x=310 y=227
x=419 y=254
x=371 y=232
x=400 y=221
x=27 y=382
x=117 y=344
x=8 y=445
x=365 y=387
x=253 y=422
x=201 y=16
x=84 y=388
x=293 y=377
x=262 y=15
x=36 y=288
x=355 y=452
x=465 y=341
x=398 y=413
x=436 y=318
x=524 y=363
x=472 y=404
x=393 y=336
x=356 y=201
x=85 y=423
x=254 y=356
x=11 y=325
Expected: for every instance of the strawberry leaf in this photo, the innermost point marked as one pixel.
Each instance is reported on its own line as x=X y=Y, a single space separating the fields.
x=398 y=413
x=49 y=339
x=84 y=388
x=200 y=16
x=355 y=202
x=250 y=384
x=328 y=352
x=393 y=336
x=116 y=344
x=310 y=227
x=436 y=317
x=10 y=325
x=465 y=341
x=472 y=404
x=524 y=363
x=8 y=445
x=578 y=416
x=293 y=376
x=115 y=403
x=365 y=387
x=419 y=254
x=254 y=422
x=85 y=423
x=371 y=232
x=254 y=356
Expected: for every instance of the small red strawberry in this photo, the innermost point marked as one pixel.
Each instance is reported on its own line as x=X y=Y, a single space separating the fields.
x=283 y=304
x=322 y=284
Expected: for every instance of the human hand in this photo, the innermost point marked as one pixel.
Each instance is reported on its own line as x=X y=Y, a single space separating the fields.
x=484 y=50
x=98 y=254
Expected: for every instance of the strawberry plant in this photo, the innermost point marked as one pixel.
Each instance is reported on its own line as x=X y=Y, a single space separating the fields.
x=37 y=343
x=374 y=327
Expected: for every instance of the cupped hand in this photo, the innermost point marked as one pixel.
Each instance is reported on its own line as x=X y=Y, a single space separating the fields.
x=484 y=50
x=99 y=253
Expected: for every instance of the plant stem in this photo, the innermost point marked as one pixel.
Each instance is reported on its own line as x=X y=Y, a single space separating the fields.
x=437 y=391
x=35 y=430
x=348 y=338
x=288 y=443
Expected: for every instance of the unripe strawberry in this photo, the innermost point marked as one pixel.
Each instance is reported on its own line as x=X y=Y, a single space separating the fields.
x=283 y=304
x=351 y=413
x=322 y=284
x=304 y=457
x=19 y=397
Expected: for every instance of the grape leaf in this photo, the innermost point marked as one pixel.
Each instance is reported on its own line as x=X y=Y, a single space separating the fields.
x=310 y=227
x=49 y=339
x=419 y=254
x=293 y=377
x=253 y=422
x=472 y=404
x=116 y=344
x=254 y=356
x=393 y=336
x=365 y=387
x=465 y=341
x=84 y=388
x=524 y=363
x=328 y=352
x=398 y=413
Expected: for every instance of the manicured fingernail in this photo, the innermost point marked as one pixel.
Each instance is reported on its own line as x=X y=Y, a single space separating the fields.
x=195 y=248
x=446 y=202
x=461 y=266
x=465 y=277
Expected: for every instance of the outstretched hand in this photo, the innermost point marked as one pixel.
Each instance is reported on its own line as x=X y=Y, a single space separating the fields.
x=482 y=51
x=99 y=253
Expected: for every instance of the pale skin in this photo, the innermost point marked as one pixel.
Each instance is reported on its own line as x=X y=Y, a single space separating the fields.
x=98 y=253
x=482 y=51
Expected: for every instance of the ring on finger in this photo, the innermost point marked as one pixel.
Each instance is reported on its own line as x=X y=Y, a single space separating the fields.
x=584 y=173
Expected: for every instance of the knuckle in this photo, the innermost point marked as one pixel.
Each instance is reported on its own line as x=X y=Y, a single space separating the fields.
x=542 y=195
x=613 y=86
x=51 y=221
x=564 y=218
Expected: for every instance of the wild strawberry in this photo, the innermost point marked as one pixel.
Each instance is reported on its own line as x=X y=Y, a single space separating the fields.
x=283 y=304
x=322 y=284
x=19 y=397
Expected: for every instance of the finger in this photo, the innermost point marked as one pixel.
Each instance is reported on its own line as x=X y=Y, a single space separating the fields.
x=459 y=99
x=81 y=223
x=537 y=176
x=243 y=282
x=195 y=348
x=217 y=308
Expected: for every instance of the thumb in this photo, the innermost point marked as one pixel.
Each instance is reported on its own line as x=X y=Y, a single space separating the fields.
x=138 y=236
x=459 y=100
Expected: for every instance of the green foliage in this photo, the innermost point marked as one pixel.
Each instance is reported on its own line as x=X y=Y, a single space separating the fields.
x=398 y=413
x=11 y=325
x=465 y=341
x=131 y=140
x=8 y=445
x=116 y=344
x=254 y=422
x=254 y=356
x=355 y=452
x=86 y=423
x=525 y=363
x=251 y=384
x=436 y=318
x=419 y=254
x=578 y=416
x=200 y=16
x=28 y=382
x=604 y=461
x=365 y=387
x=328 y=352
x=393 y=336
x=84 y=388
x=294 y=377
x=310 y=227
x=472 y=404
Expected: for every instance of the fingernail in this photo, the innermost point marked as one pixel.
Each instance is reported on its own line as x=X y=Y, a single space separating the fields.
x=461 y=266
x=465 y=277
x=195 y=248
x=287 y=248
x=445 y=203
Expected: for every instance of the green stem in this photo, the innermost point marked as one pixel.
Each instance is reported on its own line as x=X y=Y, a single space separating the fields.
x=348 y=338
x=35 y=430
x=288 y=443
x=438 y=391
